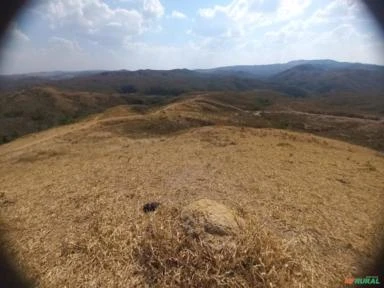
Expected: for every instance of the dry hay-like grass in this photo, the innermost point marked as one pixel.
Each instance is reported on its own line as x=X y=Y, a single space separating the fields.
x=73 y=199
x=169 y=257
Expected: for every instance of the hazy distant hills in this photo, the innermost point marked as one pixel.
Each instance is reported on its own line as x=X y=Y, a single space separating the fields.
x=312 y=77
x=301 y=78
x=266 y=71
x=319 y=79
x=20 y=81
x=298 y=79
x=54 y=75
x=161 y=82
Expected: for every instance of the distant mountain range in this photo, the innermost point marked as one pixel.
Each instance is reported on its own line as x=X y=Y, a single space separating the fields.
x=300 y=78
x=266 y=71
x=52 y=75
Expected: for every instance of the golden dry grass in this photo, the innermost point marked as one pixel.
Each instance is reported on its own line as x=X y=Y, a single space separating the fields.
x=169 y=257
x=71 y=201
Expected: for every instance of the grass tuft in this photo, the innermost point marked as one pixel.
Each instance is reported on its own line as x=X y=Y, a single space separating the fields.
x=168 y=257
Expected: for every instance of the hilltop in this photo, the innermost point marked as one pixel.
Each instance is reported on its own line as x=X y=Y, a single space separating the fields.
x=72 y=197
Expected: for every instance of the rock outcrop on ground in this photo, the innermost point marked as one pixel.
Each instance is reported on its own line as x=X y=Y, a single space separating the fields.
x=211 y=217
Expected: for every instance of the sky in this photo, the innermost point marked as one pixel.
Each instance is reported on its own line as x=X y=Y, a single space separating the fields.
x=67 y=35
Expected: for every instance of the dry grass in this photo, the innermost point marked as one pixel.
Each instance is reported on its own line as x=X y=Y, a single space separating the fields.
x=168 y=257
x=72 y=209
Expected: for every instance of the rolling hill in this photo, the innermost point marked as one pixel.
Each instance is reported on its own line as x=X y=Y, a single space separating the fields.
x=347 y=117
x=302 y=78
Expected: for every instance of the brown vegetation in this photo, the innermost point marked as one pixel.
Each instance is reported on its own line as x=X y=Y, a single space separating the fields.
x=344 y=116
x=73 y=199
x=169 y=257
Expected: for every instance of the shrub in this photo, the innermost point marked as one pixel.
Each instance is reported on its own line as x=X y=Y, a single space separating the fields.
x=65 y=120
x=127 y=89
x=4 y=139
x=261 y=103
x=157 y=90
x=38 y=115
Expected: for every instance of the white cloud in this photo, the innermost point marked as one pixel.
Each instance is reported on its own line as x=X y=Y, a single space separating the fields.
x=241 y=18
x=340 y=35
x=58 y=54
x=97 y=21
x=334 y=16
x=291 y=8
x=210 y=12
x=59 y=43
x=326 y=32
x=178 y=15
x=255 y=12
x=153 y=8
x=339 y=11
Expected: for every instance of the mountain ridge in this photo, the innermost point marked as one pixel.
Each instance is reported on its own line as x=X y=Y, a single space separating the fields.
x=267 y=70
x=287 y=65
x=279 y=77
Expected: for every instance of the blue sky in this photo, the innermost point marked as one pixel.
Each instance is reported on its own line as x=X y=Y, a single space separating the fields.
x=167 y=34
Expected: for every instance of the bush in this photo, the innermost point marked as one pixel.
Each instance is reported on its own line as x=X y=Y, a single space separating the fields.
x=13 y=114
x=293 y=91
x=261 y=103
x=157 y=90
x=65 y=120
x=4 y=139
x=38 y=115
x=282 y=124
x=127 y=89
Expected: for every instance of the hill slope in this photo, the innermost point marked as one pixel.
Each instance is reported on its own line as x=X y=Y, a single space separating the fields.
x=71 y=197
x=347 y=117
x=35 y=109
